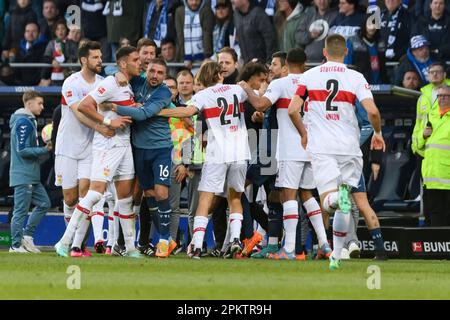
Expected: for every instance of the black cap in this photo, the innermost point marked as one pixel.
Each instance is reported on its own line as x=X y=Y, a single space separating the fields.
x=223 y=3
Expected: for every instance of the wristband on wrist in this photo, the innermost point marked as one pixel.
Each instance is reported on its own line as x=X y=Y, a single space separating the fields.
x=106 y=121
x=379 y=133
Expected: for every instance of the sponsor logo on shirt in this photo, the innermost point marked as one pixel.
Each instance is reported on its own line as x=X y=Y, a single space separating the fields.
x=69 y=94
x=101 y=90
x=106 y=172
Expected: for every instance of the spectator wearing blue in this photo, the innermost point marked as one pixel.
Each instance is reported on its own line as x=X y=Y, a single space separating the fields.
x=395 y=30
x=418 y=57
x=350 y=19
x=25 y=173
x=158 y=22
x=194 y=24
x=435 y=26
x=367 y=54
x=224 y=26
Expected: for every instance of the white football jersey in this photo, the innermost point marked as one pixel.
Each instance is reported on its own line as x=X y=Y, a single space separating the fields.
x=109 y=91
x=280 y=93
x=223 y=110
x=74 y=139
x=332 y=90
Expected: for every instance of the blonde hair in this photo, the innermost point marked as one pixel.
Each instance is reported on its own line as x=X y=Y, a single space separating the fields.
x=209 y=74
x=335 y=45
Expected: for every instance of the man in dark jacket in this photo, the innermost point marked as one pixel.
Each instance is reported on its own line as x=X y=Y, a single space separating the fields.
x=31 y=49
x=20 y=16
x=395 y=29
x=25 y=173
x=435 y=26
x=254 y=31
x=50 y=14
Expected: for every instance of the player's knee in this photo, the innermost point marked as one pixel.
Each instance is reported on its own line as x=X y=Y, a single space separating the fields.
x=71 y=200
x=125 y=205
x=328 y=206
x=161 y=194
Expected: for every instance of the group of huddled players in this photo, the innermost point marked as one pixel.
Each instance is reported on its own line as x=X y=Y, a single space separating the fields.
x=317 y=148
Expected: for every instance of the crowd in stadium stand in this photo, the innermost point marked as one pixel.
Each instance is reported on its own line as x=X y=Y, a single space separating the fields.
x=414 y=33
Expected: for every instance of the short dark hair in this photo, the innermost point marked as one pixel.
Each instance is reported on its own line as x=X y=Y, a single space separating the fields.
x=169 y=77
x=85 y=48
x=57 y=23
x=296 y=56
x=33 y=22
x=280 y=55
x=250 y=69
x=230 y=51
x=31 y=95
x=335 y=45
x=438 y=63
x=159 y=61
x=146 y=42
x=125 y=52
x=166 y=41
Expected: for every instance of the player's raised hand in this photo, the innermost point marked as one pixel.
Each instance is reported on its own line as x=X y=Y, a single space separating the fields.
x=244 y=85
x=120 y=122
x=105 y=131
x=377 y=143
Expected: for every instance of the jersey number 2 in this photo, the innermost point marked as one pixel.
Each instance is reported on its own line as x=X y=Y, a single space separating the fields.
x=332 y=85
x=223 y=104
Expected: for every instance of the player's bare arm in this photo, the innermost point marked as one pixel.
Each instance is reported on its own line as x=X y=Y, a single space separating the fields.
x=294 y=113
x=259 y=103
x=375 y=119
x=178 y=112
x=88 y=107
x=102 y=129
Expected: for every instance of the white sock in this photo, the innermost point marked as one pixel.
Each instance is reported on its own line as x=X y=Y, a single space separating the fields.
x=262 y=232
x=97 y=220
x=137 y=210
x=235 y=226
x=83 y=227
x=200 y=224
x=315 y=216
x=68 y=212
x=290 y=220
x=273 y=240
x=128 y=222
x=111 y=230
x=83 y=208
x=330 y=203
x=341 y=222
x=116 y=221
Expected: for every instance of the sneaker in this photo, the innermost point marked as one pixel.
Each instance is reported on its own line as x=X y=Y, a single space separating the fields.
x=282 y=254
x=108 y=250
x=249 y=244
x=344 y=198
x=197 y=254
x=133 y=254
x=344 y=254
x=99 y=247
x=334 y=264
x=28 y=244
x=215 y=253
x=61 y=250
x=324 y=252
x=236 y=247
x=86 y=253
x=20 y=249
x=162 y=249
x=118 y=251
x=76 y=252
x=147 y=250
x=301 y=257
x=190 y=250
x=172 y=246
x=354 y=251
x=271 y=248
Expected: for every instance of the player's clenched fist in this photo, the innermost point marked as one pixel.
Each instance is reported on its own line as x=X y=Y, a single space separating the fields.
x=120 y=122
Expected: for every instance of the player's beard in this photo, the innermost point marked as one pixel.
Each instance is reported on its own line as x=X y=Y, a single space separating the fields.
x=95 y=68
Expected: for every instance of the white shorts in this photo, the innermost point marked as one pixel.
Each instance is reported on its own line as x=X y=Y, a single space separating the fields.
x=68 y=171
x=295 y=175
x=113 y=164
x=332 y=170
x=216 y=175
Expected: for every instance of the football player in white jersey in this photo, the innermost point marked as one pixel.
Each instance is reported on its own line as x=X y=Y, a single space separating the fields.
x=227 y=151
x=333 y=133
x=112 y=157
x=73 y=152
x=294 y=166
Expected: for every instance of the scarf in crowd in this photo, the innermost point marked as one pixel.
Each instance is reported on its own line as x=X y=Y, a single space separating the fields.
x=58 y=55
x=219 y=35
x=393 y=22
x=421 y=67
x=193 y=35
x=92 y=5
x=161 y=27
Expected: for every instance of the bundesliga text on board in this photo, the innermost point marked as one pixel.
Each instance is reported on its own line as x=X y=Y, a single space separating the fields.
x=430 y=247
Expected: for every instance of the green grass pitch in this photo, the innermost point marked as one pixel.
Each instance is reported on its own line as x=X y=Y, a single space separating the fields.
x=45 y=276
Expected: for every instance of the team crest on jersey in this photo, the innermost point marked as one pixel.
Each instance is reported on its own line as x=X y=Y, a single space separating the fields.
x=59 y=178
x=101 y=90
x=69 y=94
x=106 y=171
x=367 y=86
